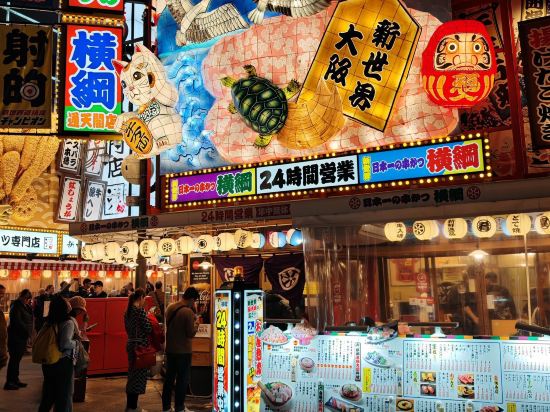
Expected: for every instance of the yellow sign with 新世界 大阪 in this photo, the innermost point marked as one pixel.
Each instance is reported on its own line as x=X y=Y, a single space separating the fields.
x=366 y=52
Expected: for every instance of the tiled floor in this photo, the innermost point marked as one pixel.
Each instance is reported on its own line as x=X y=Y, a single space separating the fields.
x=103 y=394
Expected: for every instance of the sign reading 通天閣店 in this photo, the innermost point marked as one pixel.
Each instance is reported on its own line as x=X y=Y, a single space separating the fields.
x=92 y=91
x=22 y=241
x=103 y=5
x=366 y=53
x=415 y=162
x=26 y=73
x=534 y=36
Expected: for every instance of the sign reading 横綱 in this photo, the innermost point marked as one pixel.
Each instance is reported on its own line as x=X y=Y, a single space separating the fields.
x=415 y=162
x=103 y=5
x=366 y=53
x=69 y=200
x=92 y=91
x=26 y=72
x=21 y=241
x=534 y=36
x=422 y=161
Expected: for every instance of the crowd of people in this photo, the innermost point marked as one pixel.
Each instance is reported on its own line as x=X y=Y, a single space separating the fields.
x=67 y=356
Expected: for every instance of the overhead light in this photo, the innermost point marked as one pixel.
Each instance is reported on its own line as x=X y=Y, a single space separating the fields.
x=478 y=254
x=205 y=265
x=165 y=266
x=132 y=265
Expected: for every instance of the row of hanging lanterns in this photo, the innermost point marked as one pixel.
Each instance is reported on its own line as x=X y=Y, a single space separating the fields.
x=113 y=252
x=518 y=224
x=28 y=274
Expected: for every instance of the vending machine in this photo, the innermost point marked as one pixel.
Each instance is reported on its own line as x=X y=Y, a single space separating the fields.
x=238 y=309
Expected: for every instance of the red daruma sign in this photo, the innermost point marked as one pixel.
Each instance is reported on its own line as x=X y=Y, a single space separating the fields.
x=459 y=64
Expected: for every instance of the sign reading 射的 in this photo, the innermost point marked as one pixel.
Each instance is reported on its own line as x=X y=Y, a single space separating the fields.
x=102 y=5
x=93 y=98
x=366 y=52
x=414 y=162
x=26 y=73
x=534 y=36
x=222 y=351
x=422 y=162
x=69 y=200
x=23 y=241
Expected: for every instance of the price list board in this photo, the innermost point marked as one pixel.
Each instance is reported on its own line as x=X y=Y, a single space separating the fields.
x=352 y=373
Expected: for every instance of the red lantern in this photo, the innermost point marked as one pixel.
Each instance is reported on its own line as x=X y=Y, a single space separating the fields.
x=92 y=274
x=15 y=274
x=459 y=64
x=36 y=274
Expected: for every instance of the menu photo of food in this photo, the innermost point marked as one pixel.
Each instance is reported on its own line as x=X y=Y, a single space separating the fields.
x=466 y=392
x=377 y=359
x=307 y=364
x=466 y=379
x=404 y=405
x=344 y=398
x=277 y=395
x=303 y=333
x=427 y=389
x=274 y=336
x=428 y=377
x=490 y=408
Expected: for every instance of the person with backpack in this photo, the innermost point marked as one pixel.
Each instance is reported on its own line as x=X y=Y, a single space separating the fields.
x=55 y=348
x=141 y=355
x=19 y=332
x=181 y=327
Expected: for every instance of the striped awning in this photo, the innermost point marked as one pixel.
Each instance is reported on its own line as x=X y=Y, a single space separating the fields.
x=21 y=264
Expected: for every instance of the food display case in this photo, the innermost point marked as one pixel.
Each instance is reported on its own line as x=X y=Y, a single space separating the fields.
x=238 y=309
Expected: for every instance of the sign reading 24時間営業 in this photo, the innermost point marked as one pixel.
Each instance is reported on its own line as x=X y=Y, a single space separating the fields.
x=426 y=161
x=92 y=91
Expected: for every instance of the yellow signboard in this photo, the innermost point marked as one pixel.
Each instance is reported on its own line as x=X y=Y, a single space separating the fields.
x=366 y=53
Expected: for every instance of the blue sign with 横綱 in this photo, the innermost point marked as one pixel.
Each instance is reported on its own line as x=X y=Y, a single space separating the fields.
x=422 y=162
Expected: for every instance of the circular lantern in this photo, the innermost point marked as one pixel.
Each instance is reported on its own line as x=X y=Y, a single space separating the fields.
x=118 y=274
x=258 y=240
x=129 y=250
x=185 y=245
x=111 y=250
x=542 y=224
x=98 y=251
x=243 y=238
x=225 y=242
x=25 y=274
x=4 y=273
x=148 y=248
x=517 y=224
x=205 y=244
x=294 y=237
x=425 y=229
x=166 y=247
x=459 y=64
x=102 y=274
x=484 y=226
x=86 y=252
x=46 y=274
x=277 y=239
x=455 y=228
x=395 y=231
x=149 y=273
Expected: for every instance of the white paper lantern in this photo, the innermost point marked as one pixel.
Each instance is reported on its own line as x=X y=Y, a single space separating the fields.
x=149 y=273
x=4 y=273
x=111 y=250
x=243 y=238
x=517 y=224
x=258 y=240
x=225 y=242
x=166 y=247
x=185 y=245
x=455 y=228
x=395 y=231
x=129 y=250
x=98 y=251
x=101 y=273
x=118 y=274
x=425 y=229
x=277 y=239
x=294 y=237
x=204 y=244
x=542 y=224
x=86 y=252
x=25 y=273
x=46 y=274
x=148 y=248
x=484 y=226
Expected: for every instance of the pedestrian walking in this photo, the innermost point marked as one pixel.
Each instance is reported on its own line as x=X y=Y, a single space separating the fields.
x=138 y=329
x=57 y=389
x=19 y=332
x=181 y=327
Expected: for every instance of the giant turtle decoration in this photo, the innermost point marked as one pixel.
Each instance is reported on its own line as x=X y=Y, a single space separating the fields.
x=262 y=105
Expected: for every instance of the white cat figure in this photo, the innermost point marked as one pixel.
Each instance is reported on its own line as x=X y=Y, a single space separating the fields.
x=155 y=126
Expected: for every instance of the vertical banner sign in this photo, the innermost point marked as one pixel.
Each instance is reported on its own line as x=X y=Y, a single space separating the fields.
x=366 y=53
x=95 y=149
x=26 y=71
x=222 y=351
x=117 y=187
x=534 y=36
x=93 y=204
x=93 y=97
x=107 y=5
x=69 y=200
x=70 y=157
x=252 y=365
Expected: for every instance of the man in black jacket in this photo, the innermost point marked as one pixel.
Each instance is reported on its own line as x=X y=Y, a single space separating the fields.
x=19 y=331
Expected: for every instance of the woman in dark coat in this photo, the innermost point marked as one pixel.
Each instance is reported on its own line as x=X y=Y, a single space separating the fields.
x=19 y=332
x=138 y=329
